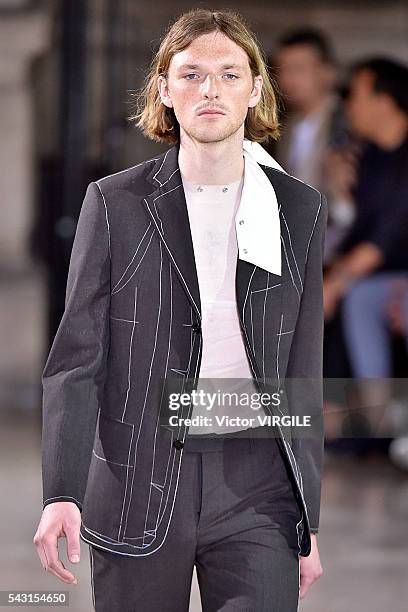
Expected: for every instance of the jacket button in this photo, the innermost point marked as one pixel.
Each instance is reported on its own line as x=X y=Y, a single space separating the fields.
x=197 y=328
x=178 y=444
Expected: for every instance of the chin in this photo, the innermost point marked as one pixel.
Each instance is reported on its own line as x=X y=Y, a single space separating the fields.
x=214 y=134
x=211 y=138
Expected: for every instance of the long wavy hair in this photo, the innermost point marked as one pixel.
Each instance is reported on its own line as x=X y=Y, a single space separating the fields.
x=158 y=122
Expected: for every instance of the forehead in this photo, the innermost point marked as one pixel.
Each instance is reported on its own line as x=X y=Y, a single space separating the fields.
x=299 y=53
x=363 y=80
x=212 y=48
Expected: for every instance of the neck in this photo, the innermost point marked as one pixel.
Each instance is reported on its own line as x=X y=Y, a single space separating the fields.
x=314 y=107
x=211 y=163
x=391 y=133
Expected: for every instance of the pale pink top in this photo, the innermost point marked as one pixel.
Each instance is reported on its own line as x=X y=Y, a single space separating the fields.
x=212 y=210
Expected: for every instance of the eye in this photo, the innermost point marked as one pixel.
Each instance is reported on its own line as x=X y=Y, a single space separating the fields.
x=233 y=75
x=191 y=74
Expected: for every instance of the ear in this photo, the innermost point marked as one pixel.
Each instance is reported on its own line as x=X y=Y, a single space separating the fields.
x=256 y=91
x=164 y=91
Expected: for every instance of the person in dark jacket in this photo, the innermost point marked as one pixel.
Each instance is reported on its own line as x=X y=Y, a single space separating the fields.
x=205 y=258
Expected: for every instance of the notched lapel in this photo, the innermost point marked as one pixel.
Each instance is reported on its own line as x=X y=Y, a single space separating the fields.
x=168 y=208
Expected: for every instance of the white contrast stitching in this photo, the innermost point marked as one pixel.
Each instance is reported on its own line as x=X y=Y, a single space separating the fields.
x=134 y=255
x=106 y=218
x=137 y=267
x=145 y=399
x=92 y=577
x=263 y=331
x=63 y=497
x=163 y=160
x=127 y=169
x=291 y=248
x=314 y=224
x=266 y=288
x=277 y=350
x=296 y=179
x=161 y=399
x=130 y=354
x=171 y=255
x=290 y=270
x=110 y=461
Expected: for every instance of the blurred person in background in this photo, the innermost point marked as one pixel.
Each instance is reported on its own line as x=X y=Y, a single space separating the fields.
x=314 y=126
x=372 y=258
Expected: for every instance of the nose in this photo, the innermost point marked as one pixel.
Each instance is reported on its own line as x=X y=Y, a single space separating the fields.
x=209 y=87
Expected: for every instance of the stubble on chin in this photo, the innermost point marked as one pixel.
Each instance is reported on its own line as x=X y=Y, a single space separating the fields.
x=211 y=133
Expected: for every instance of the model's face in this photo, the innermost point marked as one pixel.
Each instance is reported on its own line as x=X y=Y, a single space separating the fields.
x=212 y=73
x=302 y=76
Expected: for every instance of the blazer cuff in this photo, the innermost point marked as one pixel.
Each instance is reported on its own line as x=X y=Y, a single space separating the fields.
x=60 y=498
x=314 y=530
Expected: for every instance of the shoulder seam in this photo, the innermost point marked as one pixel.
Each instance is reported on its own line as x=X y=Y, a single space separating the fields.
x=126 y=169
x=295 y=178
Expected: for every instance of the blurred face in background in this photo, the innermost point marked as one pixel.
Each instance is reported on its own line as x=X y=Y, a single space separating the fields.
x=365 y=107
x=212 y=73
x=303 y=77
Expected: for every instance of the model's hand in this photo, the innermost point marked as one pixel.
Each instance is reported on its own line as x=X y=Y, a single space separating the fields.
x=331 y=296
x=310 y=568
x=59 y=519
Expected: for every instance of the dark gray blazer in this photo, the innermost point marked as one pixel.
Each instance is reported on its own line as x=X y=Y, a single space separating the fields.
x=132 y=318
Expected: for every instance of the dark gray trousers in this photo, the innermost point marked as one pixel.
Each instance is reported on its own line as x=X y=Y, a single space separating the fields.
x=235 y=519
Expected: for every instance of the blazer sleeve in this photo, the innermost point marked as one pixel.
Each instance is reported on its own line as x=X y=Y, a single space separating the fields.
x=74 y=372
x=304 y=378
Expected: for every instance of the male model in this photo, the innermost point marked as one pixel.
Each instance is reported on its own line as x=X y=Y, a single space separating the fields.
x=204 y=261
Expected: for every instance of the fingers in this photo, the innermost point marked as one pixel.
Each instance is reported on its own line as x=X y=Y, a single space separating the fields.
x=42 y=556
x=47 y=550
x=310 y=570
x=305 y=584
x=55 y=565
x=73 y=542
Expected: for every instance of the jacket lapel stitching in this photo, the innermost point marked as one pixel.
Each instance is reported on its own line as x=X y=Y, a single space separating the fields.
x=293 y=254
x=263 y=331
x=131 y=261
x=171 y=255
x=290 y=269
x=135 y=270
x=161 y=166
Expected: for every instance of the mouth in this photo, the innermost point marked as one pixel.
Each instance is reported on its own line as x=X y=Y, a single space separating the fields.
x=210 y=113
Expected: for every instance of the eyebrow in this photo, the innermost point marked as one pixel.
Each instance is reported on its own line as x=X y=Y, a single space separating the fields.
x=194 y=66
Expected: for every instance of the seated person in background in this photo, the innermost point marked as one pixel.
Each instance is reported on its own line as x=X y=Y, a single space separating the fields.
x=373 y=255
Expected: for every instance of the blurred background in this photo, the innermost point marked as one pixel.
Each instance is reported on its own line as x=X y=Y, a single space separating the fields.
x=67 y=72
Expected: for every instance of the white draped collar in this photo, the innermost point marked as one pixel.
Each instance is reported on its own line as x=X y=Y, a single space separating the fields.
x=257 y=219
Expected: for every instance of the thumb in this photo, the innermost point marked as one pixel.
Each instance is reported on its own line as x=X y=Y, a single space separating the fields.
x=73 y=544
